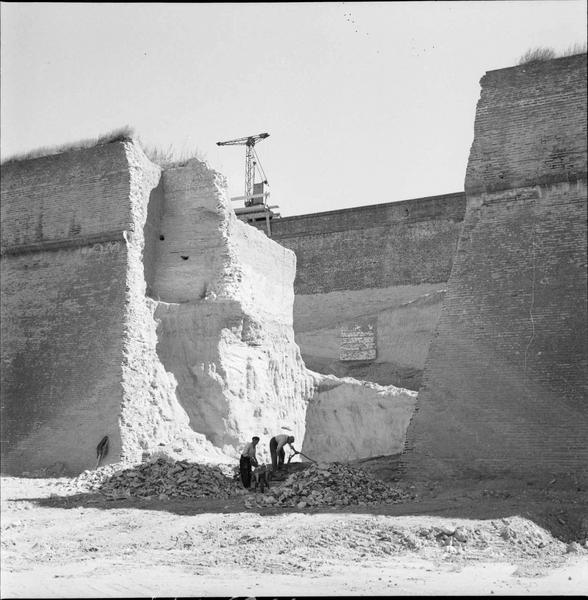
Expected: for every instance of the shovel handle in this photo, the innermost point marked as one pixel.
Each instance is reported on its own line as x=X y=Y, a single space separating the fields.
x=296 y=452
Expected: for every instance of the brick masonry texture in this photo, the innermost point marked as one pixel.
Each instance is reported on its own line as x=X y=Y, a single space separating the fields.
x=63 y=296
x=378 y=246
x=108 y=330
x=530 y=127
x=389 y=262
x=64 y=199
x=505 y=383
x=78 y=334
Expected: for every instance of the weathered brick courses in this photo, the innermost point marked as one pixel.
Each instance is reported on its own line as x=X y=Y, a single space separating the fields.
x=63 y=307
x=409 y=242
x=505 y=383
x=387 y=262
x=79 y=197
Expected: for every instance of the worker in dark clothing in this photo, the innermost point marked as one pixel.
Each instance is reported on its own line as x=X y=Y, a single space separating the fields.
x=248 y=460
x=276 y=445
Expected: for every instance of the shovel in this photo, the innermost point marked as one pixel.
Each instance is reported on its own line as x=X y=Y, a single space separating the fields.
x=296 y=452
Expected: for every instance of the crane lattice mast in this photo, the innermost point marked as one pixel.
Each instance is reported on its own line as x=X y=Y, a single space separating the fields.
x=249 y=143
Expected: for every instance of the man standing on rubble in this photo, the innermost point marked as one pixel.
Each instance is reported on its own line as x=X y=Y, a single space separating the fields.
x=248 y=459
x=276 y=445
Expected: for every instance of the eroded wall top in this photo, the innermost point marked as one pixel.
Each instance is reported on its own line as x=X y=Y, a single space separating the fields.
x=530 y=126
x=65 y=199
x=203 y=251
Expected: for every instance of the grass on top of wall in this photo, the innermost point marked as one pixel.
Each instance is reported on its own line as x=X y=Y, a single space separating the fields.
x=575 y=49
x=121 y=134
x=541 y=53
x=165 y=158
x=170 y=156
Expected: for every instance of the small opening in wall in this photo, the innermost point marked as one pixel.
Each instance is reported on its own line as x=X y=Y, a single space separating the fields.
x=407 y=212
x=185 y=257
x=162 y=237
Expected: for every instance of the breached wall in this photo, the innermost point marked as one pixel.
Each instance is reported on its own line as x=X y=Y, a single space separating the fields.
x=386 y=265
x=78 y=336
x=225 y=309
x=224 y=315
x=505 y=383
x=136 y=305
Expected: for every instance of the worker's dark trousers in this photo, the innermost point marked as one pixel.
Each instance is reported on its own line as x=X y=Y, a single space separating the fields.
x=277 y=457
x=245 y=470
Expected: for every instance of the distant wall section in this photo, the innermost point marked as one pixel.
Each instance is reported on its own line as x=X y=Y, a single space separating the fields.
x=382 y=267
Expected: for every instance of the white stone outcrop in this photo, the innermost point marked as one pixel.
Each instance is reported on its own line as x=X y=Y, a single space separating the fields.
x=224 y=317
x=349 y=419
x=228 y=364
x=151 y=417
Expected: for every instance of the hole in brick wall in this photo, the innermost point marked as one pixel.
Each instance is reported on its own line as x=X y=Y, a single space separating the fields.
x=407 y=212
x=162 y=237
x=185 y=257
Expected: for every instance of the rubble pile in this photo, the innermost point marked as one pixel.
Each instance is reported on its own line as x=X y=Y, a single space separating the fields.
x=161 y=478
x=332 y=484
x=92 y=479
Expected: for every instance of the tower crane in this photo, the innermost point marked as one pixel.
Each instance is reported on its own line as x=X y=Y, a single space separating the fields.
x=251 y=160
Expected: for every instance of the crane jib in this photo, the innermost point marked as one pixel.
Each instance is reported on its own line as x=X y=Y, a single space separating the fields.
x=251 y=161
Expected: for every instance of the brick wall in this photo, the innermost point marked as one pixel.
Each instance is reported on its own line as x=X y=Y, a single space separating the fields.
x=67 y=198
x=79 y=339
x=388 y=262
x=505 y=383
x=63 y=303
x=530 y=127
x=377 y=246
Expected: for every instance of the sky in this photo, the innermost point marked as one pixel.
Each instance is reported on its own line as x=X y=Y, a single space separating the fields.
x=365 y=103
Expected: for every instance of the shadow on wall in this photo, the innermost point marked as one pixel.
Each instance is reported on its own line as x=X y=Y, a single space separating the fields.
x=153 y=235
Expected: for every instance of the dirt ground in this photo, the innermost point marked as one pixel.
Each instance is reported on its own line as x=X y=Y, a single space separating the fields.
x=469 y=537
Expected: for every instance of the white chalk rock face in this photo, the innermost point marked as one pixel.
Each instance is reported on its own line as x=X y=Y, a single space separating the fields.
x=212 y=359
x=151 y=420
x=224 y=317
x=349 y=419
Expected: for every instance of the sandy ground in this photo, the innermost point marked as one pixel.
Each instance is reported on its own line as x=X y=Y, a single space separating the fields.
x=519 y=541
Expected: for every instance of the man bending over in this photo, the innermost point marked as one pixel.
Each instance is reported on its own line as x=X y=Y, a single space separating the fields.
x=276 y=445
